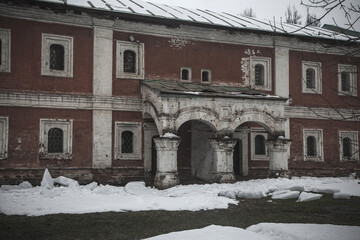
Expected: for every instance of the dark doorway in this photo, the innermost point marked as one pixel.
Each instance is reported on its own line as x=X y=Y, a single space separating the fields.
x=153 y=156
x=237 y=158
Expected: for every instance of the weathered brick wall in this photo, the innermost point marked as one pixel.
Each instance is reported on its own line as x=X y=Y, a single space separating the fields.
x=26 y=38
x=24 y=124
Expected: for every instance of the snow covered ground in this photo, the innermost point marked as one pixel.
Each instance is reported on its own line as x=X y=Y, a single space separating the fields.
x=268 y=231
x=135 y=196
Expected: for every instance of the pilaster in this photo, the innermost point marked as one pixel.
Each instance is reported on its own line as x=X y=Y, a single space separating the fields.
x=278 y=156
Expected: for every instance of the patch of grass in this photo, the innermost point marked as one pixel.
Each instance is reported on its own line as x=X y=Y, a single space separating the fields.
x=139 y=225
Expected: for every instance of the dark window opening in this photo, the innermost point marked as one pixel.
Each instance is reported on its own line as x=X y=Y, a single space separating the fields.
x=345 y=81
x=205 y=76
x=57 y=53
x=311 y=146
x=347 y=148
x=129 y=61
x=185 y=74
x=259 y=145
x=310 y=78
x=127 y=139
x=259 y=74
x=55 y=140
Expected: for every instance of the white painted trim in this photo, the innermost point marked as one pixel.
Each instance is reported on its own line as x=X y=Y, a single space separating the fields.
x=5 y=37
x=266 y=63
x=138 y=48
x=64 y=124
x=210 y=75
x=318 y=134
x=68 y=101
x=67 y=43
x=135 y=128
x=351 y=69
x=4 y=137
x=253 y=134
x=321 y=113
x=190 y=74
x=353 y=135
x=318 y=77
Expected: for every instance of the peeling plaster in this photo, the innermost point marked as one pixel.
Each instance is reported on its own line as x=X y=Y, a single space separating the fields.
x=245 y=65
x=178 y=43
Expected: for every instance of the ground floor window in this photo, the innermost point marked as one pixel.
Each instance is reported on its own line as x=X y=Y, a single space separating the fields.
x=313 y=144
x=56 y=138
x=4 y=133
x=127 y=140
x=349 y=146
x=258 y=147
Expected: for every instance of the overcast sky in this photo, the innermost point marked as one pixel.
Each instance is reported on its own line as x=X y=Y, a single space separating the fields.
x=266 y=9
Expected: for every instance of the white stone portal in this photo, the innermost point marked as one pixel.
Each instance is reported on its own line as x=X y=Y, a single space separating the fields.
x=166 y=175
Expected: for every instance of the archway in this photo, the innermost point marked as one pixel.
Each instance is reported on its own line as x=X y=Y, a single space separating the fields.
x=194 y=157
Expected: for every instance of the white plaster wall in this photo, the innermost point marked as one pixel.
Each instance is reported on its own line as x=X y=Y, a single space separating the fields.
x=102 y=136
x=103 y=55
x=282 y=71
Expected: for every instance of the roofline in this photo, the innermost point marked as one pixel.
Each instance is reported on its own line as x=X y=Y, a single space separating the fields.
x=171 y=23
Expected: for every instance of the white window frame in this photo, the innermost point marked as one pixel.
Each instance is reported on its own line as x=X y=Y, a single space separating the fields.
x=135 y=128
x=353 y=135
x=318 y=134
x=5 y=36
x=254 y=133
x=4 y=137
x=138 y=48
x=210 y=76
x=318 y=76
x=190 y=74
x=351 y=69
x=64 y=124
x=266 y=62
x=67 y=43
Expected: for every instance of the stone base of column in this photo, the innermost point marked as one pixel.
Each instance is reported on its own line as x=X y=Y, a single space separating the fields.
x=278 y=173
x=165 y=180
x=223 y=178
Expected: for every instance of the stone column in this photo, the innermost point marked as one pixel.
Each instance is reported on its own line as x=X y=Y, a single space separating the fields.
x=223 y=169
x=278 y=156
x=166 y=175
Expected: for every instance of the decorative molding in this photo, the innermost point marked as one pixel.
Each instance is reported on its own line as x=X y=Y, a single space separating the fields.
x=68 y=101
x=322 y=113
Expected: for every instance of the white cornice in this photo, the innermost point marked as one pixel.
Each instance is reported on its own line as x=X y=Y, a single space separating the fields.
x=68 y=101
x=317 y=113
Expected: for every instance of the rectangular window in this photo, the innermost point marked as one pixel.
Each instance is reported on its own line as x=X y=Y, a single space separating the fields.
x=129 y=60
x=56 y=138
x=127 y=140
x=349 y=146
x=5 y=49
x=258 y=146
x=347 y=80
x=185 y=74
x=313 y=145
x=205 y=76
x=57 y=55
x=311 y=77
x=4 y=133
x=260 y=73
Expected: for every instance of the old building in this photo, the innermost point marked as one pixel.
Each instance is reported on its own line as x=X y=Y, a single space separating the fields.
x=116 y=91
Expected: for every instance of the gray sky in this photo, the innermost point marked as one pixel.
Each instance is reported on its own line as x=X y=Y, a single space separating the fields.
x=267 y=9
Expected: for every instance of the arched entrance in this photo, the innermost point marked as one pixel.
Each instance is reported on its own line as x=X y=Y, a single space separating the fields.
x=238 y=158
x=194 y=154
x=153 y=156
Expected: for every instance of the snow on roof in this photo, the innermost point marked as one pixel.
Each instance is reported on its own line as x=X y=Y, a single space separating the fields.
x=143 y=8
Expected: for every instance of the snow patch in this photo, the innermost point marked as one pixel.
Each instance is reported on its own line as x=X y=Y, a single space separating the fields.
x=339 y=195
x=170 y=135
x=67 y=182
x=47 y=180
x=305 y=197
